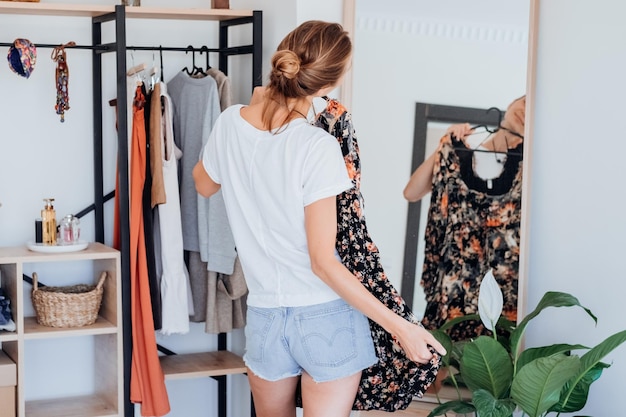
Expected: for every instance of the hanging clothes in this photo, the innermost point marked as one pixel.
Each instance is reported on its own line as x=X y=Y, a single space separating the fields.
x=196 y=107
x=157 y=192
x=153 y=266
x=209 y=243
x=217 y=245
x=393 y=382
x=147 y=382
x=473 y=226
x=175 y=278
x=224 y=89
x=148 y=220
x=226 y=303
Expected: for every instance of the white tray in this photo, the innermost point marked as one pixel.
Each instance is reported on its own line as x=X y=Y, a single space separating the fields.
x=40 y=247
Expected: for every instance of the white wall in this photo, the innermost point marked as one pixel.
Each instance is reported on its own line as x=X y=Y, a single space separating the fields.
x=577 y=226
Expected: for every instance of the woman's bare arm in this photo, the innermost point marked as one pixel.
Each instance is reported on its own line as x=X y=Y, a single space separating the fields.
x=421 y=180
x=321 y=228
x=205 y=186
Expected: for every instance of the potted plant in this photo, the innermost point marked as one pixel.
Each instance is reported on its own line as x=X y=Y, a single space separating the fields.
x=502 y=377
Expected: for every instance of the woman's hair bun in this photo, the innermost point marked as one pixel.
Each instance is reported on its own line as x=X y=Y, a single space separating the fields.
x=287 y=63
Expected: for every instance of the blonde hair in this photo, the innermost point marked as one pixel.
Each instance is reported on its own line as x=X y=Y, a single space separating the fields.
x=313 y=56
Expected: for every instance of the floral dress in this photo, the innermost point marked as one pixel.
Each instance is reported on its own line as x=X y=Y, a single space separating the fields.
x=473 y=226
x=394 y=381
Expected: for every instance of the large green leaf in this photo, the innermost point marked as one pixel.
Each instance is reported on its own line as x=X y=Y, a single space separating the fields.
x=549 y=299
x=575 y=399
x=459 y=407
x=446 y=341
x=488 y=406
x=447 y=325
x=486 y=364
x=541 y=352
x=537 y=386
x=590 y=359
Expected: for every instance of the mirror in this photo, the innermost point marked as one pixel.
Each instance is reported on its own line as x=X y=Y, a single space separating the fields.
x=451 y=55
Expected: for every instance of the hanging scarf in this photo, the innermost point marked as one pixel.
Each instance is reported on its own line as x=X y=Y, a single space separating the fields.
x=62 y=78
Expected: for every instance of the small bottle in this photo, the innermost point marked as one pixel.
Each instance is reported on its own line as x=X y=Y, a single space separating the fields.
x=49 y=223
x=69 y=231
x=38 y=231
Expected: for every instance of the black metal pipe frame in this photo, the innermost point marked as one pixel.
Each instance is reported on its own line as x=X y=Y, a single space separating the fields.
x=101 y=48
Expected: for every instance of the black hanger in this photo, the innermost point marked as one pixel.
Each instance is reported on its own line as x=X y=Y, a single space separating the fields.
x=492 y=129
x=488 y=128
x=195 y=70
x=205 y=50
x=462 y=147
x=193 y=57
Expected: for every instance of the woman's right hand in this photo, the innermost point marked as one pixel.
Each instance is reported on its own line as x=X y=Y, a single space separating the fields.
x=416 y=342
x=460 y=131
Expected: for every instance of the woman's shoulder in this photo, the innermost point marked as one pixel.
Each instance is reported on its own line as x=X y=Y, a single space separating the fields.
x=231 y=110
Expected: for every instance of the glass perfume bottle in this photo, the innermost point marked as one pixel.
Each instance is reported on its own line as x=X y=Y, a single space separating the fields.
x=49 y=223
x=69 y=230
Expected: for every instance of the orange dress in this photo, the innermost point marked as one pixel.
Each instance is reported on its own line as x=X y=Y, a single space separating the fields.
x=147 y=382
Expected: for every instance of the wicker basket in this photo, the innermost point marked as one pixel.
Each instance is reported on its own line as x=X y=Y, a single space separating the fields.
x=72 y=306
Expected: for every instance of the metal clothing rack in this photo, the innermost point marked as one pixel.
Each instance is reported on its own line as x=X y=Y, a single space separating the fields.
x=120 y=48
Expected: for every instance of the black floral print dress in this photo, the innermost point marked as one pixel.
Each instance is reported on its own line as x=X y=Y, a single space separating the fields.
x=473 y=226
x=394 y=381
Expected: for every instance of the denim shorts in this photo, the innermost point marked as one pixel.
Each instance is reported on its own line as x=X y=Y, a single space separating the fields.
x=328 y=341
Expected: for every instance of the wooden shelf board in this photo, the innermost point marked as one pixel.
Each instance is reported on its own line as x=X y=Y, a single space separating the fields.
x=21 y=254
x=84 y=406
x=185 y=14
x=197 y=365
x=53 y=9
x=7 y=336
x=85 y=10
x=33 y=330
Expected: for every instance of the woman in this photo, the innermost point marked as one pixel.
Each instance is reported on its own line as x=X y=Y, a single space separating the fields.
x=279 y=175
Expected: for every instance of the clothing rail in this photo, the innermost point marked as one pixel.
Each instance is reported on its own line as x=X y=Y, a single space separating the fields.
x=232 y=50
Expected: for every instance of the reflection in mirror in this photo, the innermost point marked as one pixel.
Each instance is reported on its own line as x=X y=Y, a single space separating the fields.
x=469 y=222
x=450 y=52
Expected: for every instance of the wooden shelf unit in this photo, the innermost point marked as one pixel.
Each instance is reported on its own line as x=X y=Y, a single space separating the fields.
x=107 y=398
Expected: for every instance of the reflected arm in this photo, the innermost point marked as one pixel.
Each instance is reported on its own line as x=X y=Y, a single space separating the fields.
x=421 y=180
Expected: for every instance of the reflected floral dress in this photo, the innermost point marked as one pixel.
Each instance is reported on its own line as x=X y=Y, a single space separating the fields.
x=394 y=381
x=473 y=226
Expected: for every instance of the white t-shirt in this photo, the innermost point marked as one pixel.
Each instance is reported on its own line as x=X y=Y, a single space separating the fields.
x=267 y=179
